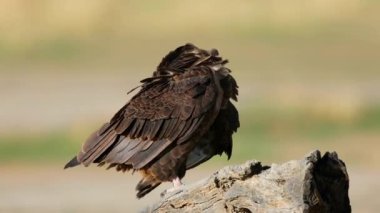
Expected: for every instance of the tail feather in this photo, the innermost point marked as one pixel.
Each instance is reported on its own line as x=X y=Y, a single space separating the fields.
x=145 y=186
x=73 y=162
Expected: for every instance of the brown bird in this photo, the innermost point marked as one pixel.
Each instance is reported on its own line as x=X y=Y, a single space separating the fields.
x=181 y=117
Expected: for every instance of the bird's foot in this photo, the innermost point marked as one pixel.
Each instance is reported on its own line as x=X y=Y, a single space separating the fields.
x=176 y=187
x=176 y=182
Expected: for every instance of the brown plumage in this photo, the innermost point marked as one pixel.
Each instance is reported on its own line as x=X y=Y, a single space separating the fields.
x=180 y=118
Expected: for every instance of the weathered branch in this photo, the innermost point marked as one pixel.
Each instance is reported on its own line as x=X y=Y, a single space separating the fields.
x=314 y=184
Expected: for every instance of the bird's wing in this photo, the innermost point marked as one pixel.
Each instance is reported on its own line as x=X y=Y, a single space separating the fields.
x=164 y=112
x=218 y=139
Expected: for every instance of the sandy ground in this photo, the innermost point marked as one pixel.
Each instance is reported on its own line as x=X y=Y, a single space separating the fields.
x=51 y=189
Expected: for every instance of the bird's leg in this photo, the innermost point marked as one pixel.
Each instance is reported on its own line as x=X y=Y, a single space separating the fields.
x=176 y=186
x=176 y=182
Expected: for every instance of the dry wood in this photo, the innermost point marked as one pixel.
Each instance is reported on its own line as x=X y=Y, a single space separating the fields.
x=313 y=184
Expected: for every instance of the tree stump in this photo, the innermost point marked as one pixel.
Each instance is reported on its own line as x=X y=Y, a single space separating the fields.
x=313 y=184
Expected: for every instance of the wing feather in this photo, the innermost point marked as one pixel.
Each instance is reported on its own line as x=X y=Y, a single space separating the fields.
x=171 y=127
x=101 y=144
x=116 y=154
x=194 y=125
x=156 y=125
x=125 y=125
x=142 y=158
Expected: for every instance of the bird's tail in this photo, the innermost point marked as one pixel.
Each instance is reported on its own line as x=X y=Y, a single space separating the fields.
x=145 y=186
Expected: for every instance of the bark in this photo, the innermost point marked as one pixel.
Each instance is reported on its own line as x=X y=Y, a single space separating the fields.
x=313 y=184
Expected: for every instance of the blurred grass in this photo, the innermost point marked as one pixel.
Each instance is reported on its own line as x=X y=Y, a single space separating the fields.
x=44 y=148
x=262 y=132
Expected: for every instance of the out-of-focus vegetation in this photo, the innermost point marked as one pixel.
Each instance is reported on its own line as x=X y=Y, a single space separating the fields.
x=308 y=71
x=267 y=134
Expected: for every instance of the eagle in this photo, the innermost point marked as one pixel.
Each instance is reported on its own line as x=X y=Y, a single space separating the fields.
x=181 y=117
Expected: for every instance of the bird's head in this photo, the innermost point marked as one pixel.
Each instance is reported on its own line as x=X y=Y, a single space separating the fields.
x=189 y=56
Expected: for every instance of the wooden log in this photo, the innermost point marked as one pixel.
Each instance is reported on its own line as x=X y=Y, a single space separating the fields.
x=313 y=184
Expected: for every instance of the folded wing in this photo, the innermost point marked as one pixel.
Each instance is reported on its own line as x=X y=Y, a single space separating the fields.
x=167 y=110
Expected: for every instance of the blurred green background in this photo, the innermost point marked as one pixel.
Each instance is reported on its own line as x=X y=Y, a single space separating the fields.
x=308 y=73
